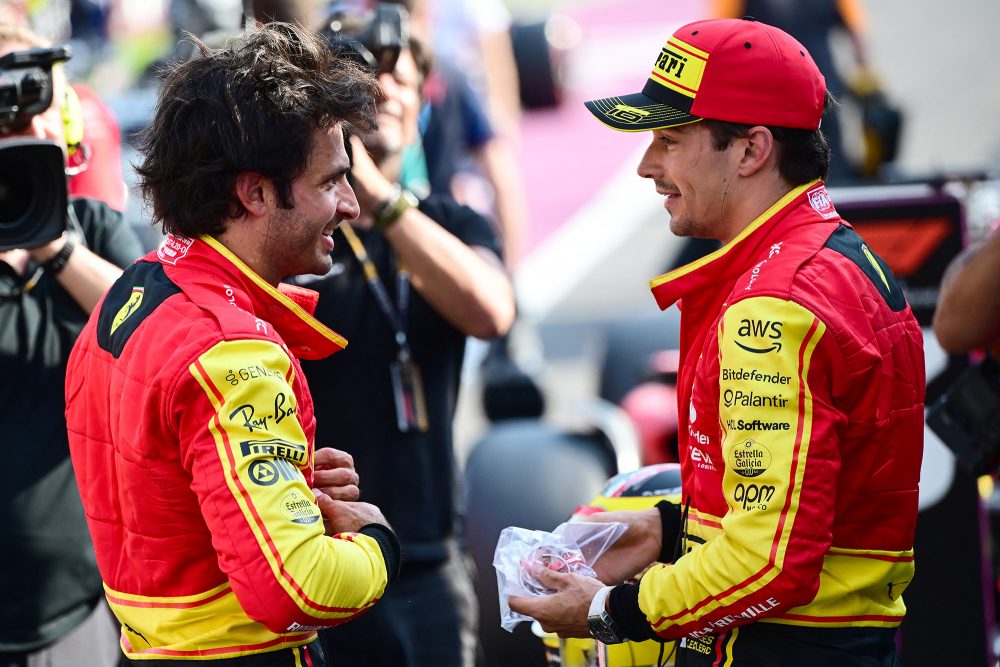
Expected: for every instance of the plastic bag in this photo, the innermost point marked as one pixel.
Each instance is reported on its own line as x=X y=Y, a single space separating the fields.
x=571 y=547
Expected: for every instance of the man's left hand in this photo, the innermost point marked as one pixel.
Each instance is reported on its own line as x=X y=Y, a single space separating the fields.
x=563 y=612
x=371 y=187
x=47 y=251
x=334 y=474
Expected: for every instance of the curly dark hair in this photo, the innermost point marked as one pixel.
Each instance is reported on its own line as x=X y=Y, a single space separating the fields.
x=252 y=106
x=803 y=155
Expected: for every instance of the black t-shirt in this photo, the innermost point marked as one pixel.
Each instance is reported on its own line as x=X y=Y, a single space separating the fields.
x=48 y=573
x=410 y=476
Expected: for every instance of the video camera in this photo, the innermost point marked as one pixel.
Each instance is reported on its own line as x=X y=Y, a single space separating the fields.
x=967 y=418
x=372 y=39
x=33 y=190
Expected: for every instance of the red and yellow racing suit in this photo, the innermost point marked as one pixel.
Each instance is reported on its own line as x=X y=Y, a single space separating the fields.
x=801 y=390
x=191 y=432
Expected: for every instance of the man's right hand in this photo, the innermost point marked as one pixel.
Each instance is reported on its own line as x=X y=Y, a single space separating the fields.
x=341 y=516
x=635 y=550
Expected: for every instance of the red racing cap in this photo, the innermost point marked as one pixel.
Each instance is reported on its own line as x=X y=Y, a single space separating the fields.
x=735 y=70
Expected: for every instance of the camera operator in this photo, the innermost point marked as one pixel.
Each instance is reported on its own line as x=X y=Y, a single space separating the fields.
x=968 y=310
x=51 y=611
x=408 y=284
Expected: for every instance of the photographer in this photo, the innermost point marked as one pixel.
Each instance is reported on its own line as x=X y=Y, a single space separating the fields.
x=968 y=310
x=409 y=282
x=51 y=612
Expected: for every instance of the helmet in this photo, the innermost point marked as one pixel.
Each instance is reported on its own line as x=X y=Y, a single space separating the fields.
x=638 y=489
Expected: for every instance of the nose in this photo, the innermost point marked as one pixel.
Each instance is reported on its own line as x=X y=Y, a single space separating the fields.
x=387 y=82
x=649 y=166
x=347 y=205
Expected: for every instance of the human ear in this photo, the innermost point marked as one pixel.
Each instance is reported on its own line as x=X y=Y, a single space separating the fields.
x=252 y=191
x=760 y=148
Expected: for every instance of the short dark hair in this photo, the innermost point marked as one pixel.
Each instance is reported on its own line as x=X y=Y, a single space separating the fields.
x=803 y=155
x=252 y=106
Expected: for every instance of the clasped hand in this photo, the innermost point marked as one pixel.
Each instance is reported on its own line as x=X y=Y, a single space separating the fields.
x=337 y=492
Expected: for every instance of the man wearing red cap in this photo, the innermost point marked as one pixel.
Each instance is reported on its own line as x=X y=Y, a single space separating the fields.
x=800 y=390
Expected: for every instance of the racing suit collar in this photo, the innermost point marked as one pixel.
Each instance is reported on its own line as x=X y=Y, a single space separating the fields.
x=729 y=261
x=288 y=309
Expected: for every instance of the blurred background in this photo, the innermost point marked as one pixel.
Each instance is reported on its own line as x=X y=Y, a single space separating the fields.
x=590 y=359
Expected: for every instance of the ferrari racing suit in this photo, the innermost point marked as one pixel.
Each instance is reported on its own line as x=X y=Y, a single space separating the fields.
x=191 y=432
x=800 y=394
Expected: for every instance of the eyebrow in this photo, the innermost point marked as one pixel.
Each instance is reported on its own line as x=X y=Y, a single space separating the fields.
x=336 y=172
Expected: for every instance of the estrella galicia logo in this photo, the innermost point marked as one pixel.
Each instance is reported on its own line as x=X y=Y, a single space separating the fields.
x=749 y=458
x=299 y=509
x=758 y=329
x=267 y=472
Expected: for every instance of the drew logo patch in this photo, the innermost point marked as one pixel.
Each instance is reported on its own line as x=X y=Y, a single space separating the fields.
x=173 y=249
x=132 y=305
x=820 y=200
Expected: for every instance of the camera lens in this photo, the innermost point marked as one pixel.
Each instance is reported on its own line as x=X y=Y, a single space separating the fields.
x=16 y=188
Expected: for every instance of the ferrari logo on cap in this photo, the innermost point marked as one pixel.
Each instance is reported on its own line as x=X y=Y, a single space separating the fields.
x=680 y=67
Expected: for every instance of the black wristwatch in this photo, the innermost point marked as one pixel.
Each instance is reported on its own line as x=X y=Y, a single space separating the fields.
x=602 y=627
x=393 y=208
x=58 y=261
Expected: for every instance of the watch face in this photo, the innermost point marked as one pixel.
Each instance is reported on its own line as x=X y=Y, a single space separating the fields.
x=603 y=630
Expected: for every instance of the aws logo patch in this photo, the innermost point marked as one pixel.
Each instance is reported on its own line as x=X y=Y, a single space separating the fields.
x=759 y=336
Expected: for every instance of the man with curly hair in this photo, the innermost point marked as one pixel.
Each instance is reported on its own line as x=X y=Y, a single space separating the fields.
x=221 y=532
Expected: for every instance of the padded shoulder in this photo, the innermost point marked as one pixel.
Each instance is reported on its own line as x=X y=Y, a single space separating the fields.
x=847 y=242
x=135 y=296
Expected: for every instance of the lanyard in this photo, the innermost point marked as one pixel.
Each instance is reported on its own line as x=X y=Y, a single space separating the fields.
x=397 y=315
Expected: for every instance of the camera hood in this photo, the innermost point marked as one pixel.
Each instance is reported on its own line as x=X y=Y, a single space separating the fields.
x=33 y=192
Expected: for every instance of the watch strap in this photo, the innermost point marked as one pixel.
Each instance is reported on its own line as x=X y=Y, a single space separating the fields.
x=58 y=261
x=393 y=208
x=602 y=627
x=599 y=602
